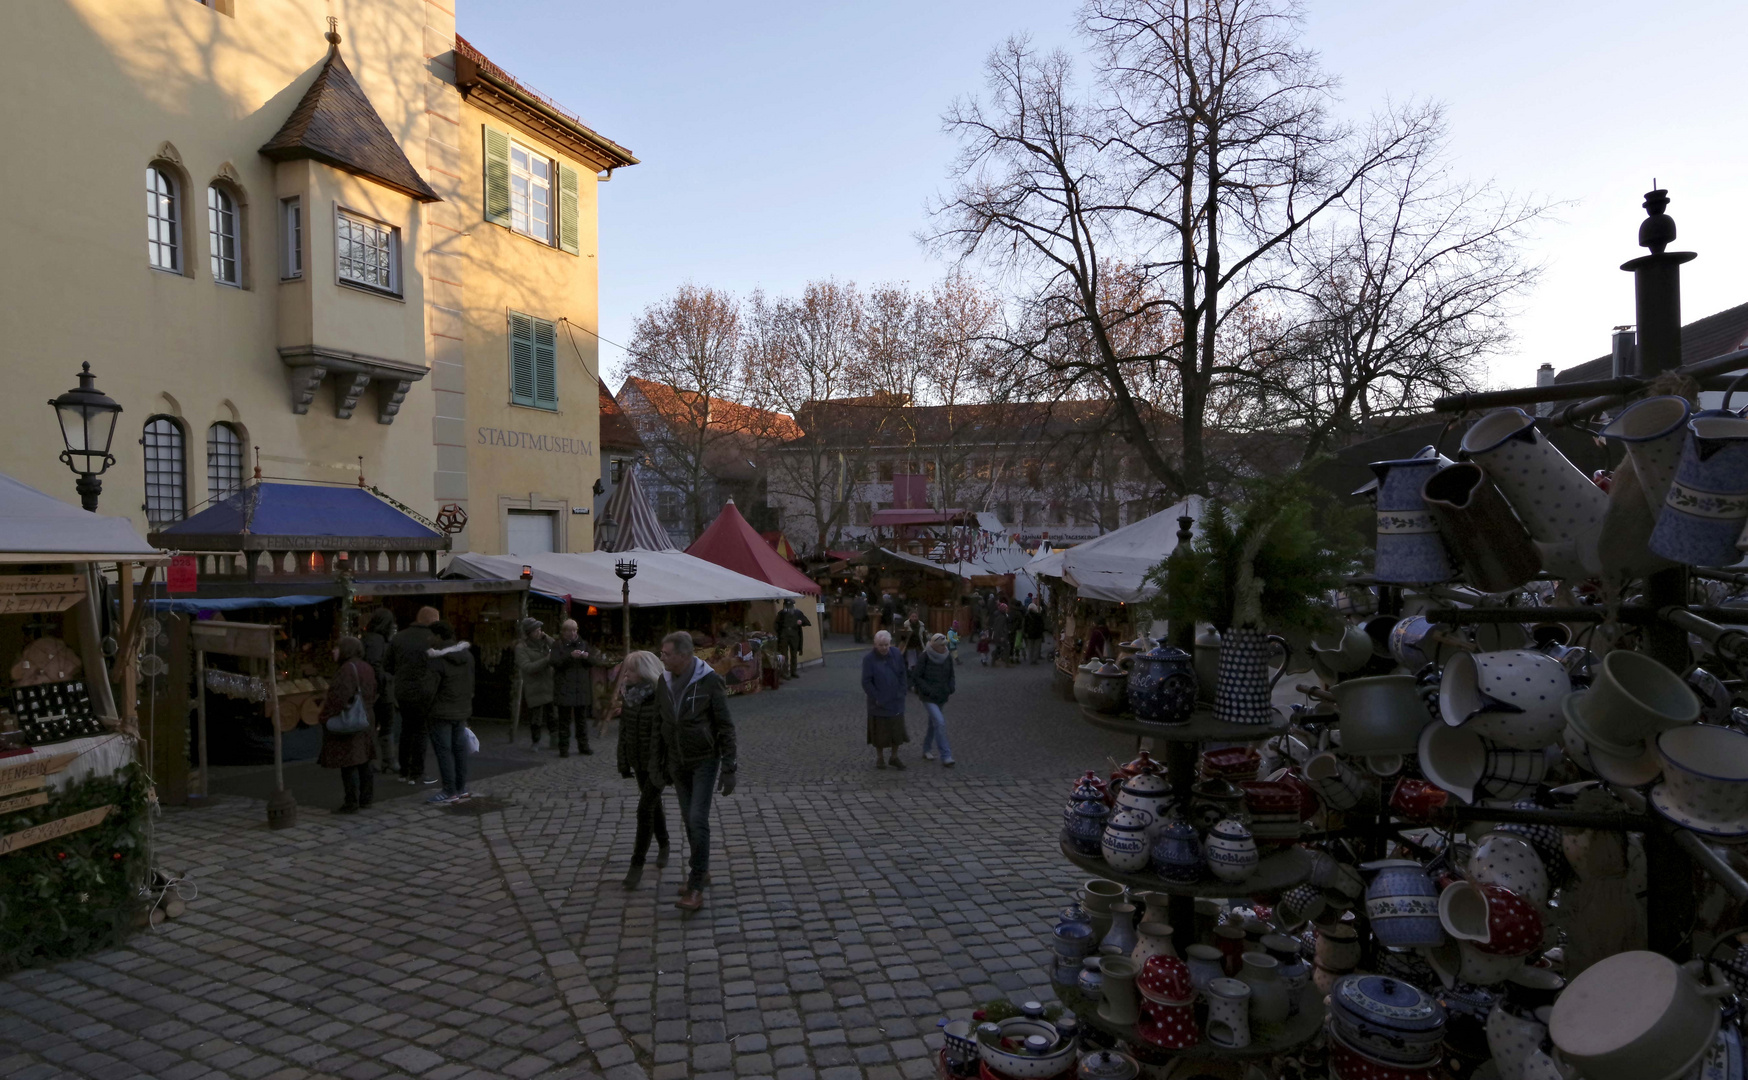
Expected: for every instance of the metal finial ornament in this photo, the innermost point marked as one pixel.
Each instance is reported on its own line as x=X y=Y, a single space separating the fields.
x=333 y=34
x=1657 y=231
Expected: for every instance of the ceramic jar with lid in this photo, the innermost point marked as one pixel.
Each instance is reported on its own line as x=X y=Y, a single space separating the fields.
x=1124 y=844
x=1402 y=904
x=1107 y=1065
x=1176 y=853
x=1149 y=793
x=1230 y=851
x=1103 y=688
x=1162 y=685
x=1083 y=829
x=1387 y=1020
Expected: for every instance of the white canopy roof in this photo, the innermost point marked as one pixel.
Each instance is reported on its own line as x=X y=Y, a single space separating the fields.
x=663 y=578
x=1113 y=566
x=35 y=527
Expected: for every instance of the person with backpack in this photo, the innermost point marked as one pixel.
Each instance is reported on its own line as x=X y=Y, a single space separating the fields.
x=350 y=752
x=451 y=709
x=934 y=680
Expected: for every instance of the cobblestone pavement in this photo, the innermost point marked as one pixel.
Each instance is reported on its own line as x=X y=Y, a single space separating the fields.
x=849 y=909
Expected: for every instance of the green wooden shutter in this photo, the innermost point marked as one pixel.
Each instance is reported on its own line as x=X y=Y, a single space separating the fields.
x=522 y=364
x=545 y=364
x=568 y=225
x=497 y=177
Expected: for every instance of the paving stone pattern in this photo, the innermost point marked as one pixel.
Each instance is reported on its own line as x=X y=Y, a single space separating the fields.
x=849 y=909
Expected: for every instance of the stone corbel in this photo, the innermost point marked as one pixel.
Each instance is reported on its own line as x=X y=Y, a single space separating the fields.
x=304 y=383
x=390 y=394
x=347 y=391
x=308 y=365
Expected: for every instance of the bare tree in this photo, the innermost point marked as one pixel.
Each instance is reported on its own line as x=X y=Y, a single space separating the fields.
x=1203 y=153
x=688 y=345
x=1400 y=297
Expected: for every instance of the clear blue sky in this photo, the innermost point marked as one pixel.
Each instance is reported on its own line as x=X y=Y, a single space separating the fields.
x=787 y=141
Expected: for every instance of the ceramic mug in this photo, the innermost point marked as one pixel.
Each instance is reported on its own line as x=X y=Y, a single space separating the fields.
x=1513 y=698
x=1492 y=545
x=1471 y=768
x=1705 y=773
x=1335 y=781
x=1381 y=715
x=1553 y=498
x=1632 y=698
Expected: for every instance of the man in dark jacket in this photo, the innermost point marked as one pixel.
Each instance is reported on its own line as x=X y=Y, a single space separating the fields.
x=414 y=683
x=888 y=612
x=859 y=617
x=884 y=681
x=789 y=624
x=573 y=687
x=1032 y=629
x=380 y=629
x=451 y=662
x=696 y=747
x=534 y=667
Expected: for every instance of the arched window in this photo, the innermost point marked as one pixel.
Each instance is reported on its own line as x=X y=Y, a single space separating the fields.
x=222 y=233
x=163 y=220
x=166 y=471
x=224 y=460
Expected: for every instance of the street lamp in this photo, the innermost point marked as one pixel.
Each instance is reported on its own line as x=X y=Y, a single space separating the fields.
x=606 y=531
x=87 y=417
x=626 y=569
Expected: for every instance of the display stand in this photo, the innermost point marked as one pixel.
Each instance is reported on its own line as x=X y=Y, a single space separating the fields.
x=255 y=641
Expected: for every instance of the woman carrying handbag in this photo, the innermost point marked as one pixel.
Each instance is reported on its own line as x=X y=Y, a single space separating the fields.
x=347 y=740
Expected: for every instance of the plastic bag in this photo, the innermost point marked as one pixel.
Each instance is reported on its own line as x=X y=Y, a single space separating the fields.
x=472 y=740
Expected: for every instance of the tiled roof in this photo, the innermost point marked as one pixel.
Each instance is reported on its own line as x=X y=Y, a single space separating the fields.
x=1702 y=339
x=617 y=431
x=676 y=406
x=336 y=125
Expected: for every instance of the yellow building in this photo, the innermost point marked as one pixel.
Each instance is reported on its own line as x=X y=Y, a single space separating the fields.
x=365 y=248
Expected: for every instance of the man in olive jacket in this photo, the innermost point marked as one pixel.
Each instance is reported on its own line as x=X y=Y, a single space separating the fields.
x=694 y=748
x=534 y=664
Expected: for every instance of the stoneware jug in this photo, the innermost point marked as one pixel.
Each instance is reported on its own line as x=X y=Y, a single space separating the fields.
x=1707 y=504
x=1245 y=685
x=1410 y=549
x=1402 y=904
x=1653 y=431
x=1162 y=685
x=1491 y=544
x=1555 y=500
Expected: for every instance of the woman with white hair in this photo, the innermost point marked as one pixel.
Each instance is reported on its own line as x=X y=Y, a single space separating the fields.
x=933 y=680
x=885 y=680
x=639 y=725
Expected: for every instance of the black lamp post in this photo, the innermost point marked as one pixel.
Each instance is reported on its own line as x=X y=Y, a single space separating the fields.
x=606 y=531
x=626 y=569
x=87 y=417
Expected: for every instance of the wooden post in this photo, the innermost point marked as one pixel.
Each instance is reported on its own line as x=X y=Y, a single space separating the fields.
x=200 y=718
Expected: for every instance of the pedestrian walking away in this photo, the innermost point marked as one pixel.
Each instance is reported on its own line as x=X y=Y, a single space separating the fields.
x=953 y=641
x=1032 y=628
x=789 y=624
x=379 y=631
x=884 y=681
x=415 y=681
x=934 y=680
x=451 y=709
x=695 y=752
x=534 y=666
x=350 y=752
x=859 y=617
x=639 y=731
x=573 y=687
x=1001 y=635
x=888 y=612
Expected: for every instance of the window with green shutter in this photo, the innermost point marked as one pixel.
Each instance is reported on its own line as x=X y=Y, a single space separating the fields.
x=567 y=208
x=533 y=361
x=497 y=174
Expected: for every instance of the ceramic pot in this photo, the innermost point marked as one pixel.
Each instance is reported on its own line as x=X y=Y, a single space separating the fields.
x=1120 y=939
x=1631 y=699
x=1269 y=1003
x=1050 y=1056
x=1152 y=939
x=1124 y=844
x=1338 y=948
x=1230 y=851
x=1118 y=991
x=1166 y=980
x=1387 y=1019
x=1299 y=905
x=1107 y=1065
x=1205 y=964
x=1149 y=793
x=1705 y=771
x=1084 y=832
x=1273 y=807
x=1092 y=978
x=1653 y=431
x=1177 y=852
x=1495 y=919
x=1402 y=904
x=1244 y=689
x=1335 y=782
x=1635 y=1016
x=1511 y=1038
x=961 y=1044
x=1168 y=1027
x=1553 y=498
x=1471 y=768
x=1344 y=652
x=1492 y=546
x=1103 y=690
x=1380 y=715
x=1228 y=1013
x=1098 y=895
x=1162 y=686
x=1235 y=763
x=1707 y=505
x=1073 y=940
x=1512 y=699
x=1511 y=863
x=1410 y=550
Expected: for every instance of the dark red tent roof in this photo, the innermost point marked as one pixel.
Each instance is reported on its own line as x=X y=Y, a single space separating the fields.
x=731 y=542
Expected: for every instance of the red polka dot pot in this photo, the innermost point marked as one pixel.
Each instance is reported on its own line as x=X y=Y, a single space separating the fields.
x=1168 y=1027
x=1165 y=980
x=1492 y=918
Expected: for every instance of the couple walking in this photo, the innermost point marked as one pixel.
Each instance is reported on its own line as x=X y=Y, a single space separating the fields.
x=886 y=679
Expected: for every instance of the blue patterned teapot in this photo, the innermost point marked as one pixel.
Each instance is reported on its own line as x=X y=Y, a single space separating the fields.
x=1162 y=685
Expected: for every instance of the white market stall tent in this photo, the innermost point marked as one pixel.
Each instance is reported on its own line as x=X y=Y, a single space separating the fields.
x=664 y=578
x=1114 y=566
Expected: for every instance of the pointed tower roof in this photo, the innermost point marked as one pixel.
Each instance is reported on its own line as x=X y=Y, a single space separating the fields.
x=336 y=125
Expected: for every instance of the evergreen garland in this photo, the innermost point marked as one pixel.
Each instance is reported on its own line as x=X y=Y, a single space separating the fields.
x=78 y=893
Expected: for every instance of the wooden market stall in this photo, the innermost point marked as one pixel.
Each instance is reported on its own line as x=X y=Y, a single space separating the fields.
x=73 y=793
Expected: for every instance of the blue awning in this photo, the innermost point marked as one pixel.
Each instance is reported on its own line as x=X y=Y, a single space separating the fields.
x=303 y=511
x=235 y=603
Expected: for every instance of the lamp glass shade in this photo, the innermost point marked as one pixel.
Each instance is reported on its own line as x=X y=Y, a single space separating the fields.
x=607 y=530
x=87 y=418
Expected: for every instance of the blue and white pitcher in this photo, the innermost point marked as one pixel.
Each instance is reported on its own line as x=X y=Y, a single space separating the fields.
x=1410 y=549
x=1707 y=503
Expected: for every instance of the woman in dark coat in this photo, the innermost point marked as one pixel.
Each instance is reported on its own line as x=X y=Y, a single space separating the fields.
x=884 y=681
x=380 y=629
x=351 y=754
x=639 y=725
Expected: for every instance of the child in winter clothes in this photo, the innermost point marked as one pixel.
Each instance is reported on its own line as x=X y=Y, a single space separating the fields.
x=953 y=642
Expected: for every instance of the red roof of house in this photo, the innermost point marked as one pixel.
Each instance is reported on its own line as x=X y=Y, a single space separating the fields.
x=617 y=431
x=731 y=542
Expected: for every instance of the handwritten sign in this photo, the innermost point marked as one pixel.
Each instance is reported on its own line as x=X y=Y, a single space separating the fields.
x=29 y=783
x=23 y=802
x=183 y=575
x=234 y=638
x=36 y=834
x=34 y=765
x=38 y=603
x=41 y=583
